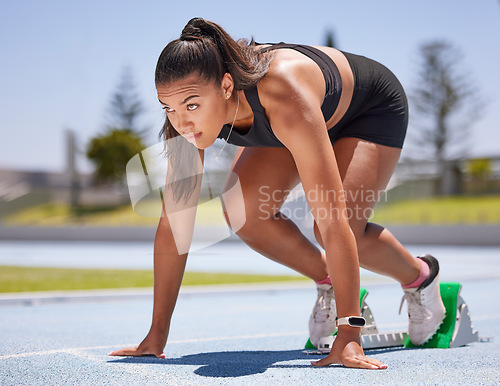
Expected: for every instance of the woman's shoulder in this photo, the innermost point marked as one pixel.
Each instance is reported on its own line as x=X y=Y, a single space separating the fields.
x=291 y=77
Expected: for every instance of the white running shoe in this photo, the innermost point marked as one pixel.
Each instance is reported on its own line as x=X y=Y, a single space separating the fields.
x=324 y=313
x=426 y=310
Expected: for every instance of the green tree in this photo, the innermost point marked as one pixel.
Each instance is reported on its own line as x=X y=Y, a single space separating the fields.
x=110 y=153
x=330 y=39
x=480 y=172
x=480 y=167
x=444 y=102
x=125 y=108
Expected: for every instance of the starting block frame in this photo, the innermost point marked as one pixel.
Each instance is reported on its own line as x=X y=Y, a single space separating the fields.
x=456 y=330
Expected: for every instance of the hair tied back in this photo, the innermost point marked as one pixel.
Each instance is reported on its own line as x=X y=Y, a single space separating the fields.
x=205 y=49
x=196 y=28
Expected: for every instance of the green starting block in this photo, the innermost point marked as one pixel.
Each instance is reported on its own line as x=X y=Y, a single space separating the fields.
x=455 y=331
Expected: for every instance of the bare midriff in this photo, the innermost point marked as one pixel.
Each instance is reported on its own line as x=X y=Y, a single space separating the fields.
x=347 y=84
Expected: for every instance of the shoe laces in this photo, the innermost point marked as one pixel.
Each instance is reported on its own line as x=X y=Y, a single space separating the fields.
x=324 y=304
x=416 y=311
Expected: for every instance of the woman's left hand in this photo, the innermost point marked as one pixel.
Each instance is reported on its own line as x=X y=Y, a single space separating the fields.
x=347 y=351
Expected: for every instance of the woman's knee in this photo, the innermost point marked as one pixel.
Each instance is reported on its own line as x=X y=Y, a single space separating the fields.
x=367 y=238
x=361 y=232
x=245 y=220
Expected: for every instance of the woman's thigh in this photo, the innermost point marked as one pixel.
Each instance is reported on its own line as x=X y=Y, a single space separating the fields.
x=365 y=168
x=266 y=176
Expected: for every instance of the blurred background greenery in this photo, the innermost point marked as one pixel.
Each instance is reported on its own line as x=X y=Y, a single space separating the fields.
x=436 y=182
x=83 y=67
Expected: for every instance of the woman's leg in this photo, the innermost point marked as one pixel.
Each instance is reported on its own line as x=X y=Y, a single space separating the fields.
x=366 y=168
x=266 y=176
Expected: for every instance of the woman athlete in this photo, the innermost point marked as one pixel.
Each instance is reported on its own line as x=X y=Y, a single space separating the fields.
x=330 y=120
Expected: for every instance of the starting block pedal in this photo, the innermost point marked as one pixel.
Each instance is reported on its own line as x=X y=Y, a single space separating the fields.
x=455 y=331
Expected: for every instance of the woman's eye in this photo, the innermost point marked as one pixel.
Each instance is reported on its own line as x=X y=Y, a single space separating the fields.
x=167 y=109
x=192 y=107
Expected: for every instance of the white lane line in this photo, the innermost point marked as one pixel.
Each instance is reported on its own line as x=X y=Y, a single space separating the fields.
x=36 y=353
x=200 y=340
x=23 y=298
x=145 y=372
x=196 y=340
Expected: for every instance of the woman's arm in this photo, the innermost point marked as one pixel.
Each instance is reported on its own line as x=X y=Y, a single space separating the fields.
x=294 y=113
x=172 y=240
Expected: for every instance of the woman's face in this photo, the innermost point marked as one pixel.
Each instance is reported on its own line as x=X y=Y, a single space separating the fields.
x=196 y=109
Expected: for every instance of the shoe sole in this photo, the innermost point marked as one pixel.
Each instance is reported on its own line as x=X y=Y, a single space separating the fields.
x=431 y=335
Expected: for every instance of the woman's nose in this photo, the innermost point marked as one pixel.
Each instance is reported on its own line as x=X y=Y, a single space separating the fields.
x=184 y=125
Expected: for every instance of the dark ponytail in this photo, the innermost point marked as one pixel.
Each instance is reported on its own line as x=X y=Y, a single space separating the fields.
x=204 y=48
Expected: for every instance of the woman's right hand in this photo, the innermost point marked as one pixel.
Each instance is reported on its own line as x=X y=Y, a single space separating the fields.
x=153 y=344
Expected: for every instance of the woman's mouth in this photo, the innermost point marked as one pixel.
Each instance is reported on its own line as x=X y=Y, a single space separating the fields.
x=192 y=137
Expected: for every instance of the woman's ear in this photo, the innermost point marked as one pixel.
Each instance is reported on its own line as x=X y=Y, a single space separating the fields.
x=227 y=85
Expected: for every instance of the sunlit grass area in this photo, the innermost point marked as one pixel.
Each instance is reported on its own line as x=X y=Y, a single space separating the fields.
x=446 y=210
x=147 y=214
x=23 y=279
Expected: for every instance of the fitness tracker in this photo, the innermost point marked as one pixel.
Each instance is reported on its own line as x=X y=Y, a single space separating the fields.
x=353 y=321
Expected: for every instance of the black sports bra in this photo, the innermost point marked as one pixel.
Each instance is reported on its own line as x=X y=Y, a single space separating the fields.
x=261 y=134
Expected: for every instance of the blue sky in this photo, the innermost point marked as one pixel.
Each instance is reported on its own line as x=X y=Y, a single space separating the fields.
x=62 y=60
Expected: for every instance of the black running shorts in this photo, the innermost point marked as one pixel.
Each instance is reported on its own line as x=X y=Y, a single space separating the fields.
x=379 y=108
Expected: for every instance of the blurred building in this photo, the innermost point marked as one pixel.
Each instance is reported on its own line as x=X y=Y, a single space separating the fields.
x=20 y=189
x=420 y=179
